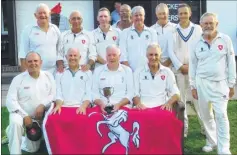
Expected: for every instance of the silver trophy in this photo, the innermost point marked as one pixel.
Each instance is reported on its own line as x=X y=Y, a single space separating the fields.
x=108 y=92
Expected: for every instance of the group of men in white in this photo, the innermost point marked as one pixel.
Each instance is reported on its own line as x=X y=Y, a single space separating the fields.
x=142 y=64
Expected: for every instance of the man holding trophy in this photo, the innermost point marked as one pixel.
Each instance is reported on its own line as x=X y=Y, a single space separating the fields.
x=112 y=83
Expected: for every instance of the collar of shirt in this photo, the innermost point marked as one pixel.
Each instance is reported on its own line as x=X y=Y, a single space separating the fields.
x=99 y=30
x=81 y=32
x=120 y=68
x=36 y=25
x=145 y=27
x=219 y=35
x=147 y=69
x=73 y=73
x=166 y=25
x=189 y=27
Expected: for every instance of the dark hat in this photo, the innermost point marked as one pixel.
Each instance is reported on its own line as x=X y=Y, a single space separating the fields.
x=34 y=133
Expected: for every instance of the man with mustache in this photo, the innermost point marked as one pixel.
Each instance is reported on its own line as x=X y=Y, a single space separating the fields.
x=81 y=38
x=164 y=29
x=135 y=39
x=104 y=35
x=115 y=75
x=29 y=93
x=42 y=38
x=212 y=78
x=185 y=35
x=73 y=85
x=125 y=17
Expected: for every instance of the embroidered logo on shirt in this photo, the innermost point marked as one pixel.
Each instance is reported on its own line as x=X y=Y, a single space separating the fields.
x=220 y=47
x=26 y=87
x=147 y=37
x=36 y=33
x=131 y=37
x=81 y=77
x=102 y=78
x=83 y=41
x=114 y=37
x=162 y=77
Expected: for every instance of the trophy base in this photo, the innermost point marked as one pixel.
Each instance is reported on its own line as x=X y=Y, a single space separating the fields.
x=108 y=109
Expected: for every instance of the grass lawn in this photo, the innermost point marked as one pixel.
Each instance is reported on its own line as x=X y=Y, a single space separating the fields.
x=193 y=143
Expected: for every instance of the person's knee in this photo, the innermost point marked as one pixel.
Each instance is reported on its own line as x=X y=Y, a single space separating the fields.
x=15 y=120
x=221 y=116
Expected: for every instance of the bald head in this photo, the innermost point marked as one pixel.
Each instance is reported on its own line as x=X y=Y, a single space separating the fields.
x=35 y=54
x=73 y=50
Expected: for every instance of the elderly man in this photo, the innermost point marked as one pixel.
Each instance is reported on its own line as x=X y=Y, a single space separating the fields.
x=27 y=97
x=42 y=38
x=125 y=18
x=135 y=39
x=185 y=35
x=164 y=30
x=104 y=35
x=212 y=79
x=79 y=37
x=116 y=76
x=153 y=82
x=73 y=85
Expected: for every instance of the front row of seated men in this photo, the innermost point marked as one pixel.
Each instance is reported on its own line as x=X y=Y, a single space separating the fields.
x=32 y=90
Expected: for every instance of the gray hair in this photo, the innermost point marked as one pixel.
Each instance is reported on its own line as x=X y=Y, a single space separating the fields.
x=155 y=46
x=136 y=9
x=162 y=5
x=209 y=14
x=113 y=46
x=42 y=5
x=75 y=11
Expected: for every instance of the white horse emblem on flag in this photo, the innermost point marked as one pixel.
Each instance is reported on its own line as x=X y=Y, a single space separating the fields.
x=117 y=132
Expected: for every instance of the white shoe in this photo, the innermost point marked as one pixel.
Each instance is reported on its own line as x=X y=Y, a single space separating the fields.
x=185 y=135
x=208 y=148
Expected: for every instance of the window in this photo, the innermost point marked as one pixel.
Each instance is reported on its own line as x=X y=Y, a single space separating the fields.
x=4 y=28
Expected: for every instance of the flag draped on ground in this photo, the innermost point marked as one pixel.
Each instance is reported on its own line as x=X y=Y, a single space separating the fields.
x=128 y=131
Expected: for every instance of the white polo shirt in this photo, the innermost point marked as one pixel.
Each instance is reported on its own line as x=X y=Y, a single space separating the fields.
x=133 y=45
x=214 y=62
x=44 y=43
x=164 y=38
x=102 y=41
x=154 y=91
x=26 y=93
x=183 y=40
x=73 y=88
x=82 y=40
x=121 y=82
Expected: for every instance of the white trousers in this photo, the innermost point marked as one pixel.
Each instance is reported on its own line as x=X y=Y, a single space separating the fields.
x=214 y=95
x=183 y=85
x=14 y=132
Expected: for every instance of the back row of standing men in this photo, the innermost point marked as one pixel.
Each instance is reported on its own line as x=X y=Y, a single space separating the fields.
x=182 y=46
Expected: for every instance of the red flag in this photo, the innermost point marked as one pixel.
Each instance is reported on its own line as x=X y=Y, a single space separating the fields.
x=56 y=9
x=128 y=131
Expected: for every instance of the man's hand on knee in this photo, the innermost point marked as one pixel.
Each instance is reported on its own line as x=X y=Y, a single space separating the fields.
x=27 y=121
x=39 y=112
